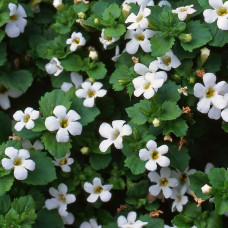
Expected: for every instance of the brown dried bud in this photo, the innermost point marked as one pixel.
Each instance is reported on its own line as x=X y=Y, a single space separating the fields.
x=181 y=142
x=135 y=59
x=16 y=63
x=122 y=207
x=27 y=58
x=14 y=137
x=156 y=213
x=168 y=138
x=200 y=73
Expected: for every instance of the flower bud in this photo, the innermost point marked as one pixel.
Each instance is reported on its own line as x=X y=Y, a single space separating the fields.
x=156 y=122
x=126 y=10
x=92 y=80
x=186 y=38
x=206 y=189
x=81 y=15
x=96 y=20
x=58 y=4
x=93 y=55
x=192 y=79
x=205 y=53
x=84 y=150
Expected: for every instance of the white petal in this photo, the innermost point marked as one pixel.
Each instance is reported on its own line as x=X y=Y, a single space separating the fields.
x=167 y=192
x=73 y=116
x=62 y=210
x=59 y=111
x=132 y=47
x=151 y=165
x=21 y=23
x=145 y=45
x=121 y=221
x=75 y=128
x=30 y=124
x=66 y=86
x=66 y=168
x=24 y=154
x=222 y=23
x=52 y=123
x=175 y=62
x=118 y=143
x=4 y=101
x=97 y=181
x=173 y=181
x=131 y=217
x=101 y=93
x=81 y=93
x=11 y=152
x=210 y=15
x=155 y=190
x=105 y=130
x=53 y=192
x=219 y=102
x=149 y=93
x=19 y=125
x=77 y=79
x=199 y=90
x=12 y=30
x=163 y=149
x=29 y=164
x=224 y=114
x=34 y=115
x=20 y=173
x=104 y=145
x=88 y=187
x=165 y=172
x=70 y=198
x=118 y=124
x=214 y=113
x=144 y=154
x=154 y=176
x=140 y=69
x=18 y=115
x=62 y=188
x=216 y=3
x=92 y=198
x=151 y=145
x=105 y=196
x=163 y=161
x=89 y=102
x=51 y=203
x=126 y=130
x=62 y=135
x=221 y=87
x=138 y=92
x=204 y=105
x=161 y=75
x=209 y=80
x=7 y=163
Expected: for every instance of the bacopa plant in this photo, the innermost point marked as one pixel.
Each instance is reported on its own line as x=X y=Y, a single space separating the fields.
x=114 y=114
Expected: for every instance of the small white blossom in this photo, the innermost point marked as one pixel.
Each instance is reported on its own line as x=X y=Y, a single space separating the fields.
x=139 y=20
x=93 y=54
x=154 y=155
x=107 y=40
x=206 y=189
x=184 y=11
x=54 y=67
x=183 y=90
x=61 y=199
x=168 y=61
x=210 y=94
x=164 y=3
x=138 y=37
x=219 y=13
x=57 y=3
x=130 y=221
x=208 y=167
x=64 y=123
x=17 y=22
x=90 y=91
x=91 y=224
x=69 y=219
x=64 y=163
x=26 y=144
x=76 y=41
x=179 y=199
x=142 y=69
x=140 y=2
x=5 y=94
x=25 y=119
x=76 y=79
x=163 y=182
x=97 y=190
x=19 y=162
x=114 y=134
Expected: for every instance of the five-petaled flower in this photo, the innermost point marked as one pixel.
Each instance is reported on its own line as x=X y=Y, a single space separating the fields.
x=76 y=41
x=64 y=163
x=184 y=11
x=54 y=67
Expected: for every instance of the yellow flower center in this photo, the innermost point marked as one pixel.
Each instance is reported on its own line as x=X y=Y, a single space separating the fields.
x=3 y=89
x=179 y=198
x=139 y=18
x=64 y=123
x=167 y=60
x=17 y=161
x=163 y=182
x=183 y=9
x=183 y=178
x=140 y=37
x=26 y=118
x=76 y=41
x=146 y=86
x=98 y=189
x=210 y=93
x=63 y=161
x=154 y=155
x=14 y=17
x=115 y=134
x=222 y=11
x=62 y=198
x=91 y=93
x=108 y=38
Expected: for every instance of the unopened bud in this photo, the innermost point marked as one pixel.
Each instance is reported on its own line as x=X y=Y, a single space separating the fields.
x=96 y=20
x=192 y=80
x=92 y=80
x=156 y=122
x=58 y=4
x=185 y=37
x=206 y=189
x=93 y=55
x=84 y=150
x=126 y=10
x=205 y=53
x=81 y=15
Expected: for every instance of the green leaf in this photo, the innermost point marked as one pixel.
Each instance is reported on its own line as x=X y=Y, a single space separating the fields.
x=153 y=18
x=217 y=177
x=44 y=172
x=112 y=12
x=115 y=31
x=99 y=161
x=170 y=111
x=5 y=203
x=5 y=126
x=178 y=127
x=72 y=63
x=179 y=159
x=97 y=72
x=200 y=35
x=225 y=127
x=197 y=181
x=152 y=222
x=214 y=221
x=87 y=114
x=3 y=56
x=57 y=149
x=50 y=100
x=135 y=164
x=205 y=4
x=4 y=17
x=19 y=80
x=213 y=63
x=48 y=219
x=160 y=44
x=2 y=35
x=26 y=134
x=6 y=183
x=221 y=205
x=80 y=7
x=39 y=125
x=23 y=203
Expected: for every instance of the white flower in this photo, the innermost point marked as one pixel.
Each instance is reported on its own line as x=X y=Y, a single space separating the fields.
x=106 y=40
x=54 y=67
x=57 y=3
x=164 y=182
x=17 y=22
x=117 y=53
x=138 y=37
x=130 y=222
x=139 y=20
x=64 y=163
x=210 y=93
x=75 y=41
x=219 y=12
x=179 y=199
x=184 y=11
x=142 y=69
x=5 y=94
x=183 y=179
x=140 y=2
x=224 y=113
x=25 y=119
x=97 y=190
x=93 y=54
x=91 y=224
x=208 y=167
x=68 y=220
x=183 y=90
x=114 y=134
x=164 y=3
x=60 y=200
x=76 y=79
x=19 y=162
x=90 y=91
x=206 y=189
x=154 y=155
x=168 y=61
x=64 y=122
x=26 y=144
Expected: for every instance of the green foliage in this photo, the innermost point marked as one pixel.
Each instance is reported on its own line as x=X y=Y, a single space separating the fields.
x=98 y=71
x=100 y=161
x=3 y=57
x=72 y=63
x=5 y=126
x=6 y=183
